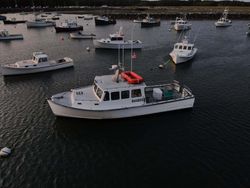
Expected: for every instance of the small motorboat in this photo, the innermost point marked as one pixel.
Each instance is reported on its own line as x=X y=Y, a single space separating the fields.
x=117 y=41
x=5 y=36
x=181 y=24
x=223 y=21
x=55 y=18
x=39 y=63
x=14 y=21
x=2 y=18
x=137 y=21
x=88 y=17
x=150 y=22
x=5 y=152
x=68 y=26
x=104 y=20
x=82 y=35
x=183 y=51
x=80 y=16
x=38 y=23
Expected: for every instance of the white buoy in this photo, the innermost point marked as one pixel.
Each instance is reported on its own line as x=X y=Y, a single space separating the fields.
x=88 y=49
x=4 y=152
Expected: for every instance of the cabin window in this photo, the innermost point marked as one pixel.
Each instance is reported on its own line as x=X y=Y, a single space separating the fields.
x=184 y=47
x=136 y=93
x=125 y=94
x=106 y=96
x=180 y=47
x=176 y=47
x=115 y=95
x=44 y=59
x=99 y=93
x=116 y=38
x=189 y=48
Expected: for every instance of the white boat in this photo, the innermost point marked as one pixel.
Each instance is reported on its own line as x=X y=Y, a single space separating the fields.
x=122 y=95
x=183 y=51
x=37 y=23
x=39 y=63
x=150 y=22
x=181 y=24
x=82 y=35
x=4 y=35
x=137 y=21
x=116 y=41
x=223 y=21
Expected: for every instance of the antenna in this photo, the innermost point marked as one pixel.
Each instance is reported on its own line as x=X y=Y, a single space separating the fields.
x=131 y=59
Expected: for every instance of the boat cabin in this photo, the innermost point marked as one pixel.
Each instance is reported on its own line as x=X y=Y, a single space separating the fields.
x=69 y=24
x=4 y=33
x=116 y=37
x=180 y=21
x=106 y=89
x=182 y=46
x=39 y=57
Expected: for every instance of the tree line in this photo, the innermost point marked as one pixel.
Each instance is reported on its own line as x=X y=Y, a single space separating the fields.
x=64 y=3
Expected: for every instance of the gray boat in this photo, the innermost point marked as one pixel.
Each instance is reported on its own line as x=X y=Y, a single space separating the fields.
x=4 y=36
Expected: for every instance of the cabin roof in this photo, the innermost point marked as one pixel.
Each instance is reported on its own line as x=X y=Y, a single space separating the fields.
x=106 y=82
x=40 y=55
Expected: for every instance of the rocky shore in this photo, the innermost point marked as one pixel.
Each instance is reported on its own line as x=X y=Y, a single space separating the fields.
x=166 y=12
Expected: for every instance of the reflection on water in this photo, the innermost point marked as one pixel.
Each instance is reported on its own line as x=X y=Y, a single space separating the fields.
x=199 y=146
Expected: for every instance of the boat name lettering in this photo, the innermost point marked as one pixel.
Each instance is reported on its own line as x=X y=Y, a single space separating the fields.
x=138 y=100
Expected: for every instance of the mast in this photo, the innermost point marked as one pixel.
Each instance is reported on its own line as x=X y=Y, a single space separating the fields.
x=131 y=59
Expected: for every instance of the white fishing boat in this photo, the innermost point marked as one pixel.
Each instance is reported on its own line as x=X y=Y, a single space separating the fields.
x=117 y=41
x=82 y=35
x=223 y=21
x=38 y=23
x=181 y=24
x=5 y=35
x=183 y=51
x=150 y=22
x=39 y=63
x=122 y=95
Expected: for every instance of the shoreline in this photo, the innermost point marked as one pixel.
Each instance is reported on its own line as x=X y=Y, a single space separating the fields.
x=166 y=12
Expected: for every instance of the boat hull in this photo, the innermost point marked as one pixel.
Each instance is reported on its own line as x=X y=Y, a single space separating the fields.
x=146 y=24
x=10 y=71
x=103 y=22
x=177 y=59
x=182 y=27
x=11 y=37
x=63 y=29
x=147 y=109
x=2 y=17
x=127 y=45
x=13 y=22
x=218 y=24
x=79 y=36
x=39 y=25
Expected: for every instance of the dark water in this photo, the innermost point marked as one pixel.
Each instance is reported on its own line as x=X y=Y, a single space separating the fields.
x=207 y=146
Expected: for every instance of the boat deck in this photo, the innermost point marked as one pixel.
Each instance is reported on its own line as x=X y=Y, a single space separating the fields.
x=169 y=92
